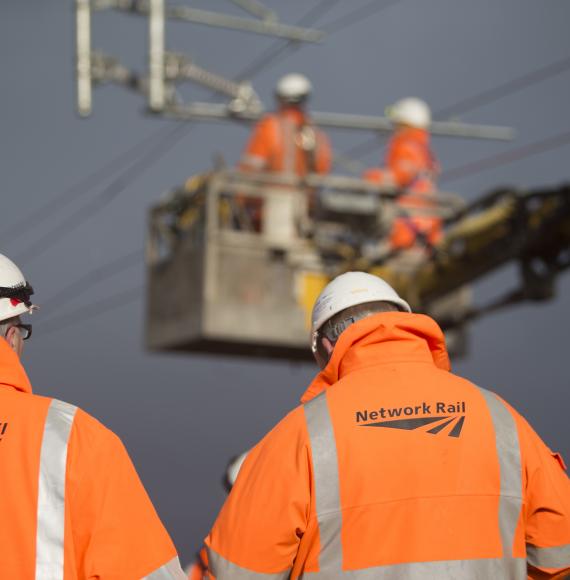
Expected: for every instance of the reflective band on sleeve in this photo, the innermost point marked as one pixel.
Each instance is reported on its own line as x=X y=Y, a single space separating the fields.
x=253 y=161
x=508 y=451
x=287 y=137
x=225 y=570
x=327 y=489
x=484 y=569
x=170 y=571
x=557 y=557
x=51 y=491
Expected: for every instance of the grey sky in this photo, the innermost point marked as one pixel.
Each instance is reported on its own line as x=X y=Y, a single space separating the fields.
x=182 y=417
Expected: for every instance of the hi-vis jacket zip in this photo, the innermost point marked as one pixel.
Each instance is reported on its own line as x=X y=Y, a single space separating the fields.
x=395 y=469
x=72 y=506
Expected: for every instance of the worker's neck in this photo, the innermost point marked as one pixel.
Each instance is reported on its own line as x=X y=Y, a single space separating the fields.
x=292 y=111
x=409 y=130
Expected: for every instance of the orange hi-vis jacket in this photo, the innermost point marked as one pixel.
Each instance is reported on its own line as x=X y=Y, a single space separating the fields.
x=395 y=469
x=72 y=505
x=412 y=166
x=287 y=142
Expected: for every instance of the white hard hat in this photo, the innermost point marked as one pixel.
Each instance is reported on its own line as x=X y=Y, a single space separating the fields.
x=15 y=292
x=351 y=289
x=293 y=88
x=233 y=469
x=410 y=111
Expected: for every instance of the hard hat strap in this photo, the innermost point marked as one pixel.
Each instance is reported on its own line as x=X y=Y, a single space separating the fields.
x=21 y=293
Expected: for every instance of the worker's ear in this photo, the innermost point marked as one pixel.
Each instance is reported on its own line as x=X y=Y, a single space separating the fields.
x=329 y=346
x=14 y=339
x=324 y=352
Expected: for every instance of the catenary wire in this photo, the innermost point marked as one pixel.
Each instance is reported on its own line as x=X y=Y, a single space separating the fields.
x=377 y=7
x=478 y=100
x=507 y=88
x=285 y=48
x=493 y=161
x=92 y=278
x=83 y=186
x=357 y=15
x=92 y=310
x=105 y=197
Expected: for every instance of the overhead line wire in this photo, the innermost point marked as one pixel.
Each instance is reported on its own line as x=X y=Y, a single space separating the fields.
x=92 y=310
x=84 y=185
x=485 y=97
x=357 y=15
x=491 y=162
x=512 y=86
x=285 y=48
x=94 y=277
x=107 y=195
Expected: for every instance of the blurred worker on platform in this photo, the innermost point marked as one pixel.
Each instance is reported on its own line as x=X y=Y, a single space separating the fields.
x=393 y=467
x=198 y=570
x=286 y=141
x=72 y=504
x=412 y=167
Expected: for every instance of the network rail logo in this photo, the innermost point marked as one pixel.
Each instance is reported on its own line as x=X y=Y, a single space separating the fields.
x=418 y=417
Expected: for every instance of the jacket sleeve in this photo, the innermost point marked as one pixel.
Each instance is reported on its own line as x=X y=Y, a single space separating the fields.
x=260 y=526
x=257 y=153
x=547 y=507
x=324 y=156
x=405 y=162
x=117 y=534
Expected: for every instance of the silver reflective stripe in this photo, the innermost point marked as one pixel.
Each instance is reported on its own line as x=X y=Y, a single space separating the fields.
x=170 y=571
x=253 y=161
x=484 y=569
x=557 y=557
x=327 y=489
x=508 y=451
x=224 y=570
x=287 y=130
x=51 y=491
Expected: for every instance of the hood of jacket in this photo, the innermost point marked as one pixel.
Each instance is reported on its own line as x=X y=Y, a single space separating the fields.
x=387 y=337
x=12 y=373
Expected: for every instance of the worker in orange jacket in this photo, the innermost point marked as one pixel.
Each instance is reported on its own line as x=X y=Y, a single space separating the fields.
x=411 y=166
x=286 y=142
x=198 y=570
x=392 y=467
x=72 y=505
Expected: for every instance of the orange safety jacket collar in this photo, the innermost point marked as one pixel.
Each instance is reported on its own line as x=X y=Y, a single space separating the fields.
x=295 y=114
x=12 y=373
x=388 y=337
x=420 y=135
